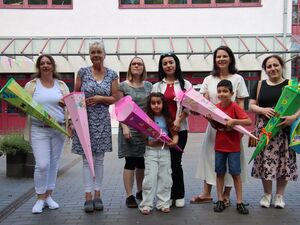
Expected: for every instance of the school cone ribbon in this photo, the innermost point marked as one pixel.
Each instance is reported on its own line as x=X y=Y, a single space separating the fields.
x=295 y=136
x=75 y=103
x=129 y=113
x=288 y=104
x=194 y=101
x=15 y=95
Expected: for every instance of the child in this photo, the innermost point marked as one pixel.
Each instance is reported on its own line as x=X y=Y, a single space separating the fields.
x=157 y=159
x=227 y=145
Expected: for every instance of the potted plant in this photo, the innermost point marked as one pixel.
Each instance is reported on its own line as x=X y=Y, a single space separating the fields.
x=19 y=157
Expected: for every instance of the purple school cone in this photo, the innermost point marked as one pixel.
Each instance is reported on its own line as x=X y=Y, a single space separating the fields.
x=75 y=103
x=194 y=101
x=131 y=114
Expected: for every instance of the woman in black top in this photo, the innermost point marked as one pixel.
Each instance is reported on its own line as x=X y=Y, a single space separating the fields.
x=276 y=161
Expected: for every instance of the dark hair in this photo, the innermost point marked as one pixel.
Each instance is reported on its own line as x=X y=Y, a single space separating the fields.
x=231 y=68
x=178 y=73
x=280 y=60
x=227 y=84
x=165 y=111
x=37 y=66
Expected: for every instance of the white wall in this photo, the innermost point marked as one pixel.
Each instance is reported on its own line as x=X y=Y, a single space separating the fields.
x=104 y=18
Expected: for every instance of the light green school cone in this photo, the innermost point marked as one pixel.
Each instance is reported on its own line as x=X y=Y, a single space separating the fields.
x=14 y=94
x=288 y=104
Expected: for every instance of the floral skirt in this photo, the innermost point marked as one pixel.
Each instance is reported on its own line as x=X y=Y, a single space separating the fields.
x=275 y=161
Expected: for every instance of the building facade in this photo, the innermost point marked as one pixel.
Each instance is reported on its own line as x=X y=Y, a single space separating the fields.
x=192 y=29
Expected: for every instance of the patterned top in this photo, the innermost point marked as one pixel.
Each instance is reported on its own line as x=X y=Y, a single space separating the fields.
x=134 y=147
x=98 y=115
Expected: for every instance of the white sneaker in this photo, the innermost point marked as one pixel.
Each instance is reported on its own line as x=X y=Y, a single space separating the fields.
x=266 y=200
x=51 y=203
x=179 y=203
x=38 y=206
x=279 y=202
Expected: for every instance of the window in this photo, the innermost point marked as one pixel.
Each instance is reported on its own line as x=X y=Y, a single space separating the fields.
x=177 y=1
x=154 y=1
x=38 y=4
x=187 y=3
x=13 y=2
x=200 y=1
x=130 y=1
x=224 y=1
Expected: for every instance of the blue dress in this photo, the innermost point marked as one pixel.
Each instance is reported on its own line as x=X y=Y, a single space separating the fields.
x=98 y=115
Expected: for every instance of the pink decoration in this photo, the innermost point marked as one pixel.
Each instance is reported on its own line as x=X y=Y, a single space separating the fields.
x=129 y=113
x=75 y=103
x=194 y=101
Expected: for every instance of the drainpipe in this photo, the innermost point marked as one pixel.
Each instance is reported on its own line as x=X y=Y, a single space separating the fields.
x=284 y=29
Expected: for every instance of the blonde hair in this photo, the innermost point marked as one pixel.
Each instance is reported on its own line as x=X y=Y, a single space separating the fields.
x=129 y=74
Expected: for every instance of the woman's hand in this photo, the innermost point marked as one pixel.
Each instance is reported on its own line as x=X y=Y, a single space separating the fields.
x=70 y=130
x=92 y=101
x=172 y=144
x=287 y=120
x=268 y=112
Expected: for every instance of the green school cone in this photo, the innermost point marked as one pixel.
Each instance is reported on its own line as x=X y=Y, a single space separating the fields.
x=288 y=104
x=14 y=94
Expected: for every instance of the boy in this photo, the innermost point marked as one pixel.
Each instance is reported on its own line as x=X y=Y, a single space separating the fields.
x=227 y=145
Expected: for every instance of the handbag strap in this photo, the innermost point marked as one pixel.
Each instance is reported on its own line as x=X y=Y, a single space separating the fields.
x=258 y=90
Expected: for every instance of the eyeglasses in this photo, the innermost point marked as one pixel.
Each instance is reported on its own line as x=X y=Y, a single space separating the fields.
x=137 y=64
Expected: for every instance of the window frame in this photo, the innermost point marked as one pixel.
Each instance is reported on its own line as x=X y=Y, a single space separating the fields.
x=189 y=4
x=26 y=5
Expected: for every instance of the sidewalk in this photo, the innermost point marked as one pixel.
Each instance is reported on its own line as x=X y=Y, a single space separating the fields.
x=69 y=194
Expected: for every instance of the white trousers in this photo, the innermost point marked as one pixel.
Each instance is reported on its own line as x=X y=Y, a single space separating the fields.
x=47 y=145
x=91 y=184
x=158 y=178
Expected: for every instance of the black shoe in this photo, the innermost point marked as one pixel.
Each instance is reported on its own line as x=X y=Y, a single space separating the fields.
x=89 y=206
x=220 y=206
x=131 y=202
x=139 y=195
x=98 y=204
x=242 y=209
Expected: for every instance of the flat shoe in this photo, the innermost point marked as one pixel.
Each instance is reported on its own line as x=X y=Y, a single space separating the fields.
x=200 y=200
x=165 y=210
x=145 y=210
x=98 y=204
x=89 y=206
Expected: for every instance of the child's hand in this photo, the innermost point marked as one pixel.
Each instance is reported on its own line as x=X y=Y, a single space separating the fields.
x=209 y=117
x=230 y=123
x=126 y=132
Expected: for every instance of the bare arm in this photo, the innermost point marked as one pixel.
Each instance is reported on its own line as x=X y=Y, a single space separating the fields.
x=240 y=102
x=268 y=112
x=107 y=100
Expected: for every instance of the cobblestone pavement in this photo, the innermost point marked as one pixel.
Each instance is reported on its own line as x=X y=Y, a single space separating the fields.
x=69 y=194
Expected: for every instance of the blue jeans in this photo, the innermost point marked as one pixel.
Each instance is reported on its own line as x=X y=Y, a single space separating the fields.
x=234 y=162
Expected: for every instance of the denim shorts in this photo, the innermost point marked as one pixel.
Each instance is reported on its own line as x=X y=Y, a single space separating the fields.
x=234 y=162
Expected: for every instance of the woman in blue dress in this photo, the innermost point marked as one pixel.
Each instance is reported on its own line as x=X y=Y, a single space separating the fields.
x=100 y=85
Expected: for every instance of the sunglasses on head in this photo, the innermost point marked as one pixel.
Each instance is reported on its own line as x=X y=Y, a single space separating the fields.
x=167 y=54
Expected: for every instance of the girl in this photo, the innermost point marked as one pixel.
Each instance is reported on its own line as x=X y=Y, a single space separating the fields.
x=157 y=158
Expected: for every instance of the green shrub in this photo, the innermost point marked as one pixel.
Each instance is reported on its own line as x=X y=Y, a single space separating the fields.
x=12 y=143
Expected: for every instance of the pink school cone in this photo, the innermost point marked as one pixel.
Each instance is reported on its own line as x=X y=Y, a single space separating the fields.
x=75 y=103
x=194 y=101
x=129 y=113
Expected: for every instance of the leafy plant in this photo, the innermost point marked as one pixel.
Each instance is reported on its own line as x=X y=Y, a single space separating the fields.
x=10 y=144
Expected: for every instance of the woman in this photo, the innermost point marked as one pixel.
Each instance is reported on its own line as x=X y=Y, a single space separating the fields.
x=170 y=83
x=132 y=143
x=223 y=68
x=100 y=85
x=47 y=143
x=276 y=161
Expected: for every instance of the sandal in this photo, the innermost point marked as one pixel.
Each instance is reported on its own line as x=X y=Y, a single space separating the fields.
x=165 y=210
x=145 y=210
x=199 y=200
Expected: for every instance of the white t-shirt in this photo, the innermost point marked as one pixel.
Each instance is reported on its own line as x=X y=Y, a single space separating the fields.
x=49 y=98
x=210 y=83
